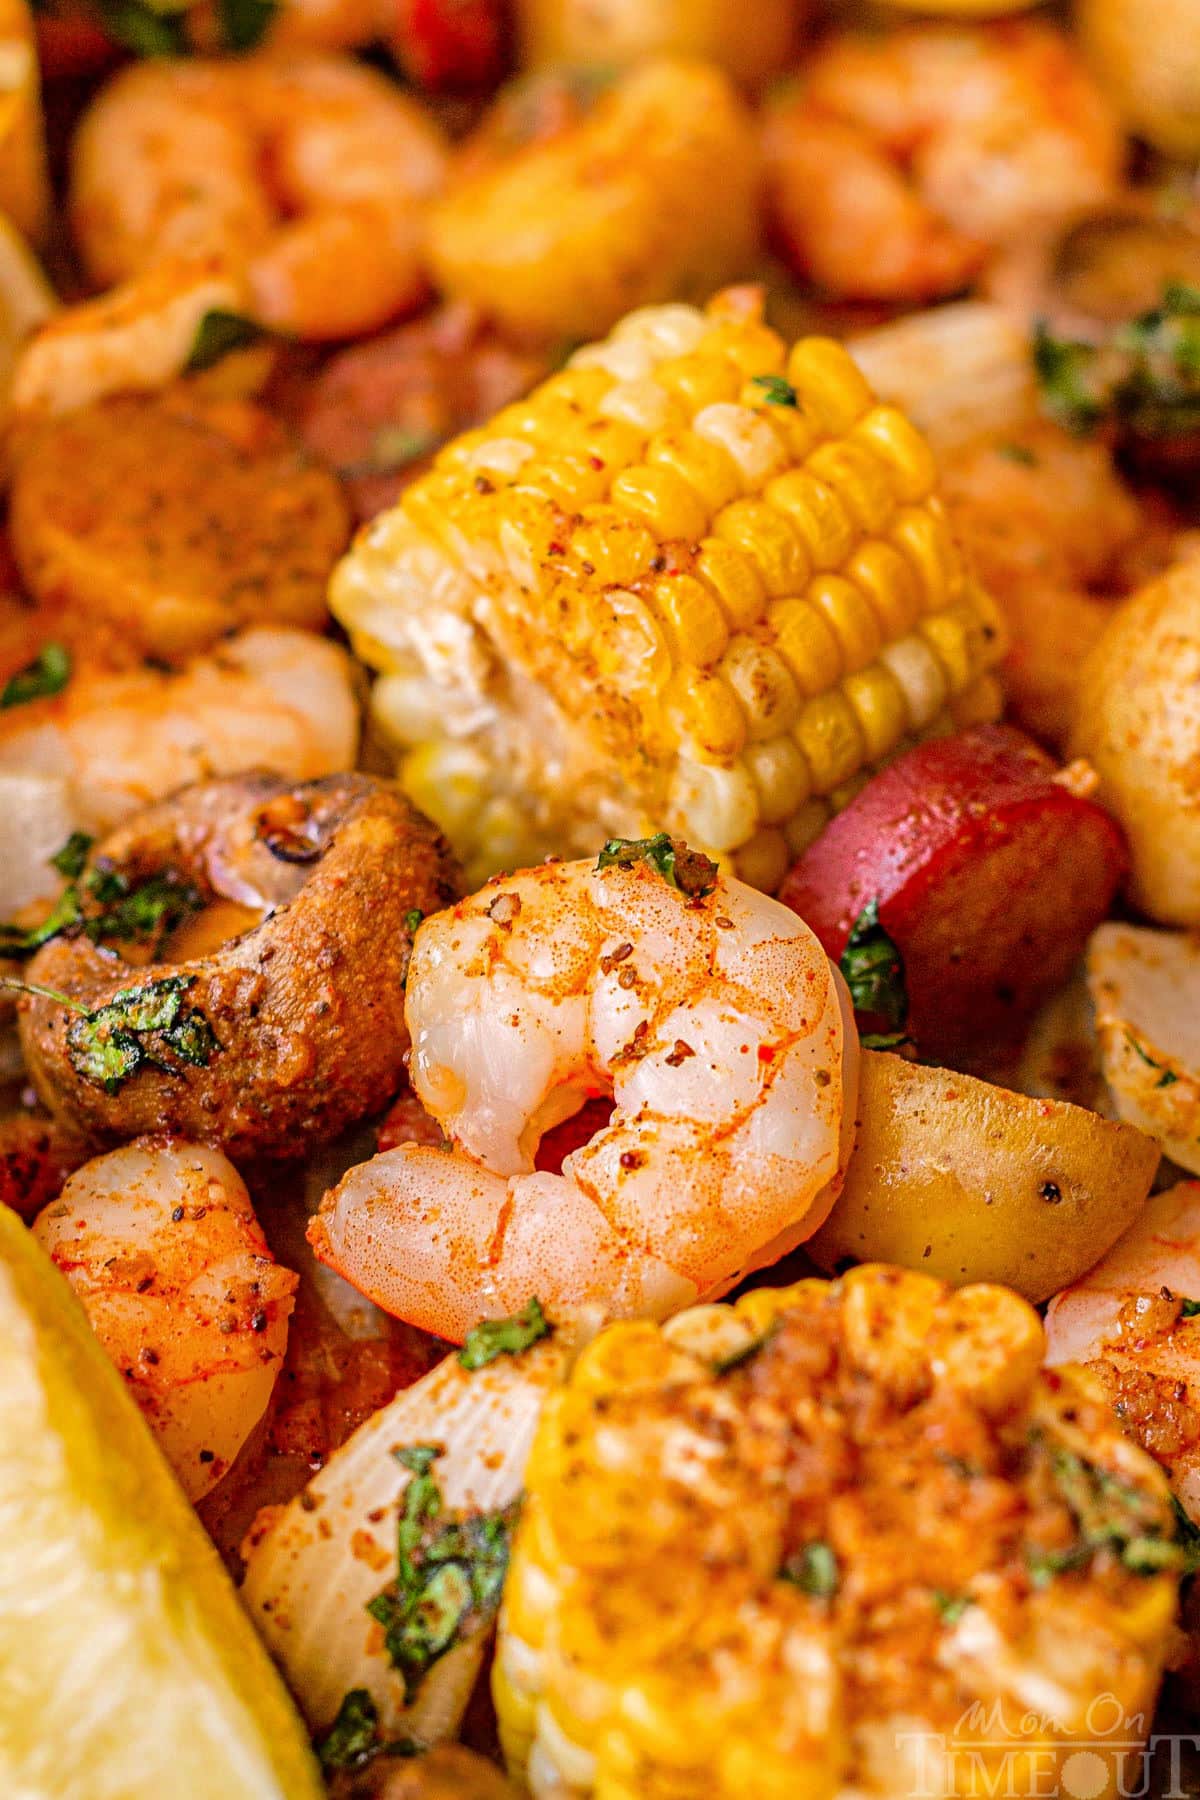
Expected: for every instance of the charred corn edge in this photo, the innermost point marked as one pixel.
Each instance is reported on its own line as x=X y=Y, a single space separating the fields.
x=549 y=1743
x=763 y=600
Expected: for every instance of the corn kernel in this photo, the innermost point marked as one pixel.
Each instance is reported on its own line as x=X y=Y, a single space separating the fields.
x=859 y=478
x=817 y=512
x=879 y=707
x=694 y=623
x=764 y=860
x=700 y=379
x=645 y=405
x=747 y=438
x=570 y=481
x=896 y=439
x=763 y=684
x=708 y=470
x=887 y=579
x=828 y=733
x=662 y=500
x=805 y=827
x=735 y=581
x=850 y=617
x=807 y=644
x=628 y=644
x=706 y=717
x=979 y=704
x=830 y=382
x=716 y=807
x=618 y=550
x=846 y=791
x=767 y=537
x=924 y=537
x=752 y=348
x=664 y=330
x=946 y=635
x=919 y=676
x=780 y=773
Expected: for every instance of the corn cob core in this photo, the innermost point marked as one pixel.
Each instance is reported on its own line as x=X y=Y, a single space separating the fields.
x=783 y=1548
x=695 y=582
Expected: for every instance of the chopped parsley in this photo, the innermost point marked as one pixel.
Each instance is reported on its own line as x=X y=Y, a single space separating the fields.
x=504 y=1337
x=679 y=866
x=47 y=675
x=1145 y=375
x=412 y=920
x=874 y=972
x=69 y=861
x=1167 y=1077
x=813 y=1569
x=149 y=1026
x=393 y=447
x=950 y=1607
x=1018 y=453
x=448 y=1575
x=776 y=391
x=353 y=1740
x=725 y=1365
x=218 y=333
x=243 y=23
x=1109 y=1514
x=1189 y=1308
x=128 y=912
x=62 y=916
x=146 y=29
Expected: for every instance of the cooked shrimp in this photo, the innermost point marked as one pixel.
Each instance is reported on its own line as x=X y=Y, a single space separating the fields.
x=307 y=173
x=1050 y=528
x=116 y=739
x=134 y=339
x=160 y=1243
x=905 y=158
x=718 y=1026
x=1131 y=1321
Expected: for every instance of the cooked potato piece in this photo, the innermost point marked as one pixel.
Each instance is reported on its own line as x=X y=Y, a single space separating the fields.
x=175 y=521
x=1147 y=55
x=24 y=186
x=1145 y=986
x=1138 y=723
x=969 y=1182
x=752 y=42
x=651 y=196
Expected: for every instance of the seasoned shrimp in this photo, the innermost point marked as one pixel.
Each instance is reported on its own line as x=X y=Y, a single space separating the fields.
x=1131 y=1321
x=115 y=739
x=721 y=1031
x=161 y=1244
x=308 y=174
x=905 y=158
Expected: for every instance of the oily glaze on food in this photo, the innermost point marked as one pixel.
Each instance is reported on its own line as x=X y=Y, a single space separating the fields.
x=709 y=1013
x=296 y=1025
x=765 y=1543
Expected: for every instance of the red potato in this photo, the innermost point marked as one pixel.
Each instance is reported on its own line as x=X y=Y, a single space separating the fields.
x=71 y=41
x=449 y=45
x=989 y=876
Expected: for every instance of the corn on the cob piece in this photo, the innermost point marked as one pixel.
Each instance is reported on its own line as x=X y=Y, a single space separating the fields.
x=696 y=582
x=839 y=1538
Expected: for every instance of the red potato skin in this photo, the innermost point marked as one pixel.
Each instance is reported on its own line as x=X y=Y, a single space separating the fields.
x=989 y=874
x=71 y=42
x=454 y=46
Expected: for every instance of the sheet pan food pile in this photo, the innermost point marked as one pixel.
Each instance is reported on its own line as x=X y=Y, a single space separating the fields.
x=599 y=890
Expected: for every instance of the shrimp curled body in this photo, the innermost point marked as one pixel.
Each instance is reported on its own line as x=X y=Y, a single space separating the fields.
x=722 y=1033
x=307 y=173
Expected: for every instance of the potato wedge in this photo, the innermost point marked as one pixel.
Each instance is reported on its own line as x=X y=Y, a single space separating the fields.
x=1145 y=986
x=970 y=1182
x=1138 y=724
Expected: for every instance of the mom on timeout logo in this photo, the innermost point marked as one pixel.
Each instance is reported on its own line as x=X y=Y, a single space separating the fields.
x=996 y=1754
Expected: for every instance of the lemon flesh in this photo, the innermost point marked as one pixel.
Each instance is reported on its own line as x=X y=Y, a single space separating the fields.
x=128 y=1670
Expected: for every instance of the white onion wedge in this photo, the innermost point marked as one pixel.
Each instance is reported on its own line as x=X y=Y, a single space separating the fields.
x=1146 y=989
x=319 y=1561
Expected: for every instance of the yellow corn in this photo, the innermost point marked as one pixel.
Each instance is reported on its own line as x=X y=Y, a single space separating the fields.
x=694 y=582
x=707 y=1560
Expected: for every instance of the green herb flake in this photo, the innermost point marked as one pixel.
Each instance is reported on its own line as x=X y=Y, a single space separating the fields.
x=412 y=920
x=62 y=916
x=353 y=1739
x=1067 y=376
x=217 y=334
x=448 y=1575
x=504 y=1337
x=70 y=859
x=147 y=30
x=776 y=391
x=243 y=23
x=1144 y=375
x=874 y=972
x=47 y=675
x=1110 y=1514
x=1018 y=453
x=737 y=1359
x=950 y=1607
x=137 y=1029
x=813 y=1569
x=142 y=913
x=679 y=866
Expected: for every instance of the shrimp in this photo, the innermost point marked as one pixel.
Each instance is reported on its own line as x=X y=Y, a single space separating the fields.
x=307 y=175
x=161 y=1245
x=1131 y=1322
x=717 y=1024
x=116 y=739
x=906 y=158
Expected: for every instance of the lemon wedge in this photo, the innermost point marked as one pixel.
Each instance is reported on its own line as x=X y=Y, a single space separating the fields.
x=130 y=1671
